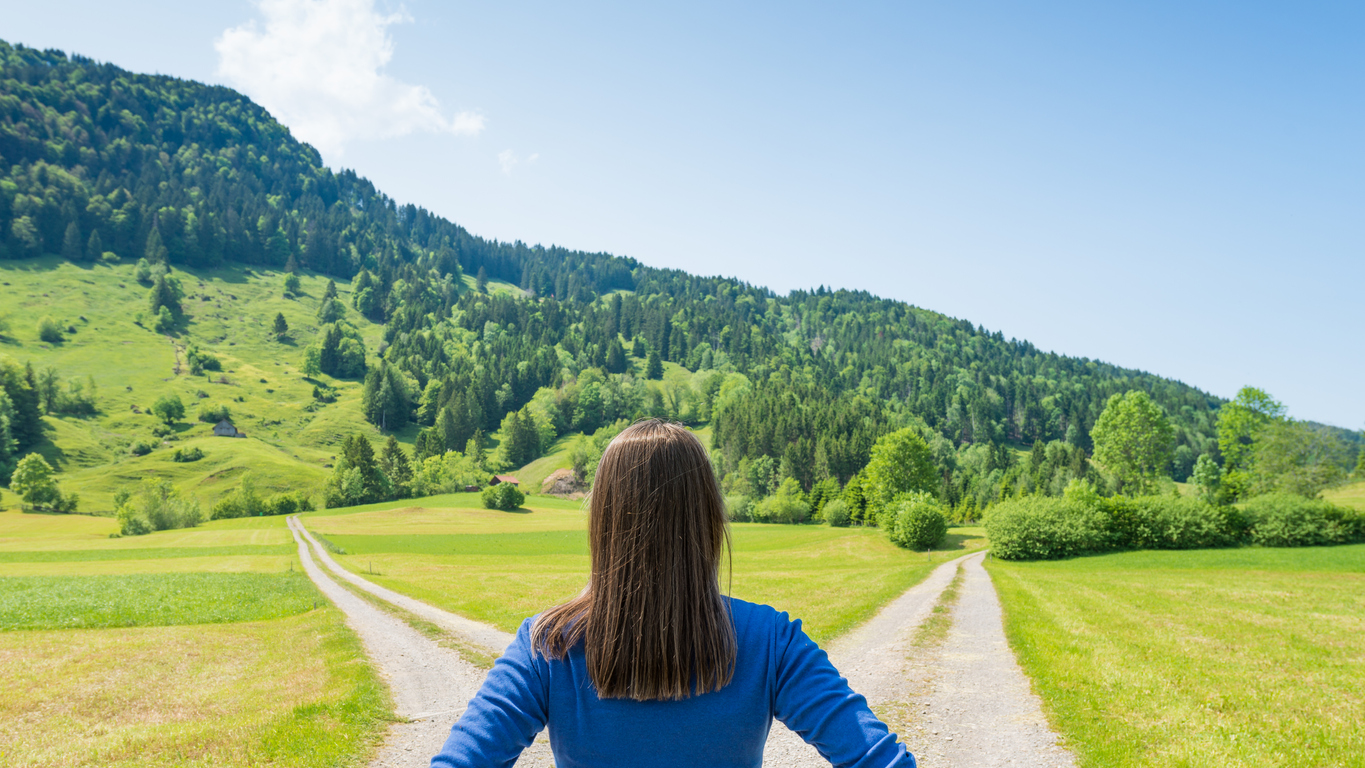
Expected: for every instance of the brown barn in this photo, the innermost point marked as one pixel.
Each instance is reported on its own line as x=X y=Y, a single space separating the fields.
x=504 y=479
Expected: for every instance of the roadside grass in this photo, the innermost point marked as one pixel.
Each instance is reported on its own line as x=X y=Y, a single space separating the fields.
x=501 y=567
x=1216 y=657
x=230 y=311
x=151 y=599
x=1352 y=495
x=286 y=692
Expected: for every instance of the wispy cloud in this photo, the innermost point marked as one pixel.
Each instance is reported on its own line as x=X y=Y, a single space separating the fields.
x=316 y=65
x=509 y=160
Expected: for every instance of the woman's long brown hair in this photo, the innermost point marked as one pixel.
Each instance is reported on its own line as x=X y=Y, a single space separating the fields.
x=652 y=619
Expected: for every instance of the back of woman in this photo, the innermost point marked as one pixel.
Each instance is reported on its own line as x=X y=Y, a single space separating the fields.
x=651 y=665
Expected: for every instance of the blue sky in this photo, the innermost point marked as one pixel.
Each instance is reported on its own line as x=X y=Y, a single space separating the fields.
x=1177 y=187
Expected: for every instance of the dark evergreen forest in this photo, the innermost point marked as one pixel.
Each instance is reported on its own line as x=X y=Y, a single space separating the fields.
x=95 y=160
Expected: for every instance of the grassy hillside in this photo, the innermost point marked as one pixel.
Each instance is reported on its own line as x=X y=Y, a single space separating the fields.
x=291 y=438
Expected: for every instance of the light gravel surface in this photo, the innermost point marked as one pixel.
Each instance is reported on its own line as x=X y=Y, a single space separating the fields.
x=974 y=707
x=430 y=685
x=970 y=703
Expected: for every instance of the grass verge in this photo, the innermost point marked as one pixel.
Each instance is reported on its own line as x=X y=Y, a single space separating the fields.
x=1215 y=657
x=219 y=695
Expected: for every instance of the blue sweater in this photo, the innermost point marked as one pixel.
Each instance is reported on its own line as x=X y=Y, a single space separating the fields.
x=779 y=672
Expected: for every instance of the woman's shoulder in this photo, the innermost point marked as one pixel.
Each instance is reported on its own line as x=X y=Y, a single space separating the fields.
x=759 y=617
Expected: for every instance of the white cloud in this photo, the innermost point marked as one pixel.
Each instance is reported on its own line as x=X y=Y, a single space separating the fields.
x=509 y=160
x=316 y=65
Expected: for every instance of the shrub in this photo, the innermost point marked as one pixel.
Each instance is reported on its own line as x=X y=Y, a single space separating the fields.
x=241 y=501
x=212 y=414
x=1286 y=520
x=185 y=455
x=836 y=513
x=737 y=508
x=1041 y=528
x=142 y=447
x=504 y=496
x=157 y=506
x=787 y=505
x=916 y=521
x=49 y=330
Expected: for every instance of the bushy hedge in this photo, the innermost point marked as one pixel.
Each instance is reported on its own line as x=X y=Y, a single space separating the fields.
x=1285 y=520
x=1039 y=528
x=504 y=496
x=1045 y=528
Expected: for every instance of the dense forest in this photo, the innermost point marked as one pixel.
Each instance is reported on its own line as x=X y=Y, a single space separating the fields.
x=100 y=163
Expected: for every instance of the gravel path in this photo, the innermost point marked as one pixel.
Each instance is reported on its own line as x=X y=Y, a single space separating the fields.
x=975 y=707
x=971 y=703
x=431 y=685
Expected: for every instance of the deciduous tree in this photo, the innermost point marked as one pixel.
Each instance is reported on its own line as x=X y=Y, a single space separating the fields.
x=1133 y=441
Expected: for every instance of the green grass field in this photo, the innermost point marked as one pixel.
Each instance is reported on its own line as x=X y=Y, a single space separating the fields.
x=151 y=599
x=501 y=567
x=1352 y=495
x=194 y=647
x=1244 y=657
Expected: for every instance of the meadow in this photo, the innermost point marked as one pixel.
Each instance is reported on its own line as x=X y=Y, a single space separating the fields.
x=1249 y=656
x=500 y=567
x=191 y=647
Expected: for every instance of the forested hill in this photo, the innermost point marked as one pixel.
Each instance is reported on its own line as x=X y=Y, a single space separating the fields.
x=95 y=159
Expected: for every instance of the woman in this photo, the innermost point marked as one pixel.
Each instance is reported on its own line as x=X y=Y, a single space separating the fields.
x=651 y=665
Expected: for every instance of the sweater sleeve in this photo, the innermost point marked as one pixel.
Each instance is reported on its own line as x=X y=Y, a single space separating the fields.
x=815 y=701
x=505 y=715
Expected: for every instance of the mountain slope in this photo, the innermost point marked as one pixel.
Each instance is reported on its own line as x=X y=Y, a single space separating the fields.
x=97 y=159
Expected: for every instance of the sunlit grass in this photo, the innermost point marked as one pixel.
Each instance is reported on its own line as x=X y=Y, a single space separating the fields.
x=287 y=692
x=143 y=599
x=1248 y=657
x=501 y=567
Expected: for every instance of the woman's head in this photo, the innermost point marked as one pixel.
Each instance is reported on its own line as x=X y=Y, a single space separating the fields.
x=652 y=620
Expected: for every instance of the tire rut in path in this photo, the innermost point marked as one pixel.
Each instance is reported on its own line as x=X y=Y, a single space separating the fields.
x=976 y=708
x=431 y=685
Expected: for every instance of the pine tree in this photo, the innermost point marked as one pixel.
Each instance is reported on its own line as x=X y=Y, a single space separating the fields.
x=281 y=327
x=655 y=368
x=638 y=348
x=394 y=463
x=481 y=282
x=94 y=247
x=448 y=429
x=71 y=242
x=155 y=251
x=292 y=266
x=616 y=357
x=331 y=291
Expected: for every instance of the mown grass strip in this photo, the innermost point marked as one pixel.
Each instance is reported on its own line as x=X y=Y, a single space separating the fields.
x=68 y=602
x=147 y=553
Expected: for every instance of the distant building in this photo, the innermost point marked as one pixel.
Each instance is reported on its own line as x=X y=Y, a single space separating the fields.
x=504 y=479
x=224 y=428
